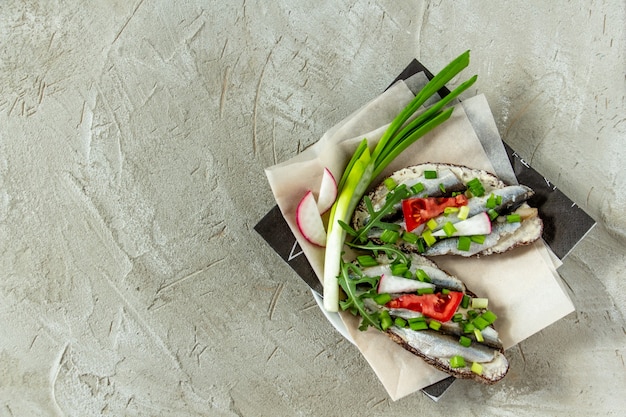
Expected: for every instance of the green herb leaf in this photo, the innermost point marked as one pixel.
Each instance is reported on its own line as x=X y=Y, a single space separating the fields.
x=391 y=251
x=394 y=197
x=349 y=279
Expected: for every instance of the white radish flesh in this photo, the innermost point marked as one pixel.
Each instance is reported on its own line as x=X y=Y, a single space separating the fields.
x=309 y=220
x=394 y=284
x=479 y=224
x=327 y=193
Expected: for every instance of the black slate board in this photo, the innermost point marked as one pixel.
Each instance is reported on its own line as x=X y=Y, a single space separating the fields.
x=564 y=223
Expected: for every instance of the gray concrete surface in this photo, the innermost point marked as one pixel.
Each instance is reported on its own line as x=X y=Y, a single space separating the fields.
x=133 y=138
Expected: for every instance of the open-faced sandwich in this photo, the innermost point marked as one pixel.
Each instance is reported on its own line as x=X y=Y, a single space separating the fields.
x=440 y=209
x=425 y=310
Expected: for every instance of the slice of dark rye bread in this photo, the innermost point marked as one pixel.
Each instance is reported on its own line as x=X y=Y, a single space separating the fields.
x=531 y=228
x=462 y=373
x=442 y=365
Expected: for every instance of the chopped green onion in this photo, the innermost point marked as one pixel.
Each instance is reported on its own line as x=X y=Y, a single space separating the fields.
x=449 y=229
x=513 y=218
x=428 y=237
x=492 y=214
x=422 y=276
x=457 y=362
x=450 y=210
x=442 y=188
x=432 y=224
x=400 y=322
x=489 y=316
x=445 y=291
x=366 y=261
x=420 y=246
x=417 y=188
x=410 y=237
x=480 y=302
x=463 y=212
x=480 y=323
x=465 y=301
x=408 y=274
x=457 y=318
x=468 y=327
x=390 y=236
x=399 y=269
x=493 y=201
x=382 y=299
x=434 y=324
x=464 y=243
x=430 y=175
x=418 y=323
x=422 y=291
x=476 y=187
x=477 y=368
x=479 y=336
x=480 y=239
x=472 y=314
x=385 y=320
x=465 y=341
x=390 y=183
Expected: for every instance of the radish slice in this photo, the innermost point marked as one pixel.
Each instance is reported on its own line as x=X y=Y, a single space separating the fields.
x=479 y=224
x=327 y=193
x=394 y=284
x=309 y=220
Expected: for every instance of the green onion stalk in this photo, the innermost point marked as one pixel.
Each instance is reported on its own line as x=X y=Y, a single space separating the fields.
x=366 y=165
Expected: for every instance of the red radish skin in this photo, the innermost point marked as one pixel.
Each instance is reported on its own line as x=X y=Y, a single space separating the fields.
x=327 y=192
x=309 y=220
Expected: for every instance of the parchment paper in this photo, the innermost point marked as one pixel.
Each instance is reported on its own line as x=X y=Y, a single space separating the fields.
x=522 y=285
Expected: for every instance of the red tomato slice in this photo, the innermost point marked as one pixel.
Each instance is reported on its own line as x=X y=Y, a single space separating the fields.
x=419 y=210
x=440 y=307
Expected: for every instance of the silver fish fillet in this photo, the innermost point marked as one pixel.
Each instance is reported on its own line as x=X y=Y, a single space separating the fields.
x=438 y=345
x=449 y=246
x=503 y=236
x=437 y=350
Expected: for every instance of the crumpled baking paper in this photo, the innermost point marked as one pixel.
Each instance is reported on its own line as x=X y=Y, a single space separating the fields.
x=522 y=285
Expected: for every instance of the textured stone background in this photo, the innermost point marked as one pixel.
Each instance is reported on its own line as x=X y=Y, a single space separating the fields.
x=133 y=137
